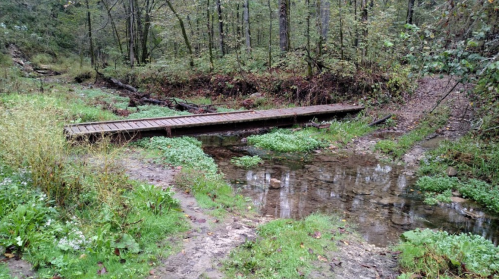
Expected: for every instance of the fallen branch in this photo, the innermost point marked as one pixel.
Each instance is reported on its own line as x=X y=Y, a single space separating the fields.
x=382 y=120
x=448 y=93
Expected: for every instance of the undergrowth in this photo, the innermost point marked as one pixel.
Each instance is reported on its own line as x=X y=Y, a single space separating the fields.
x=286 y=248
x=476 y=164
x=155 y=111
x=437 y=254
x=66 y=207
x=184 y=151
x=307 y=139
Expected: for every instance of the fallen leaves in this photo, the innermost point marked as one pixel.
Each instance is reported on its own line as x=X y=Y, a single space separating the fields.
x=102 y=269
x=321 y=258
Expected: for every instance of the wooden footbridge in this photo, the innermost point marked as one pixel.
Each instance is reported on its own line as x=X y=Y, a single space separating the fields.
x=207 y=123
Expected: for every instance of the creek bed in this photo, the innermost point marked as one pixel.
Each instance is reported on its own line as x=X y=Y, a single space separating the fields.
x=377 y=197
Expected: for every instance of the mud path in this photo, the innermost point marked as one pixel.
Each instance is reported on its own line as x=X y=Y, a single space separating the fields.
x=207 y=242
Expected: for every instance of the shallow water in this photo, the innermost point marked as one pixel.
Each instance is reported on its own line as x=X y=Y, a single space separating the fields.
x=379 y=198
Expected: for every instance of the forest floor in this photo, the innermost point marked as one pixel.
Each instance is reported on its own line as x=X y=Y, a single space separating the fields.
x=203 y=248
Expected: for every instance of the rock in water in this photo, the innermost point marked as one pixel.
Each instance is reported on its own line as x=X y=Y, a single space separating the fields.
x=275 y=183
x=451 y=172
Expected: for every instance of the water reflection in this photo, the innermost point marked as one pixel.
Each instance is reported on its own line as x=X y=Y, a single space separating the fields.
x=378 y=197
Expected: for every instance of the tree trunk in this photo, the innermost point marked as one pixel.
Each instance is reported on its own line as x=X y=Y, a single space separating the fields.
x=90 y=39
x=131 y=42
x=221 y=28
x=184 y=34
x=410 y=11
x=113 y=25
x=309 y=57
x=341 y=32
x=139 y=36
x=247 y=30
x=270 y=34
x=147 y=26
x=283 y=25
x=210 y=35
x=365 y=31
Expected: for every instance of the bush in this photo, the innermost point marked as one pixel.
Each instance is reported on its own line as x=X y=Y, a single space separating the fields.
x=434 y=254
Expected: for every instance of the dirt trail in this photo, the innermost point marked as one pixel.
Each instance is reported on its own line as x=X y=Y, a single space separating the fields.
x=429 y=91
x=207 y=243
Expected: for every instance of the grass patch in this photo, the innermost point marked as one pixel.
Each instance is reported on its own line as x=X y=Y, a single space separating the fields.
x=285 y=248
x=184 y=151
x=439 y=189
x=246 y=161
x=433 y=254
x=155 y=111
x=399 y=147
x=4 y=271
x=476 y=163
x=211 y=192
x=281 y=140
x=66 y=213
x=339 y=133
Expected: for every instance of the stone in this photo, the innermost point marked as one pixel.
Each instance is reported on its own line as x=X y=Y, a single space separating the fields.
x=401 y=220
x=451 y=171
x=458 y=200
x=390 y=200
x=275 y=183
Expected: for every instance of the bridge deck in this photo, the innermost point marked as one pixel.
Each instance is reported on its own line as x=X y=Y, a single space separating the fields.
x=207 y=123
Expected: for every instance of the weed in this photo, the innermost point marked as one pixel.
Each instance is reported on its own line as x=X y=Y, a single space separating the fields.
x=155 y=111
x=246 y=161
x=185 y=152
x=284 y=141
x=4 y=271
x=285 y=248
x=433 y=254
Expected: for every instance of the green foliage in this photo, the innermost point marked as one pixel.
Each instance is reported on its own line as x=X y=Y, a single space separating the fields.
x=185 y=152
x=246 y=161
x=155 y=199
x=433 y=254
x=282 y=249
x=155 y=111
x=4 y=271
x=472 y=157
x=437 y=184
x=481 y=192
x=284 y=141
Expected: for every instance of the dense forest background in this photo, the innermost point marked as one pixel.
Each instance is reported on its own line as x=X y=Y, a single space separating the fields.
x=302 y=49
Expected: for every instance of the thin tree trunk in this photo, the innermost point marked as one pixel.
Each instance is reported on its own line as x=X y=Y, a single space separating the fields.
x=410 y=11
x=221 y=28
x=113 y=26
x=184 y=34
x=90 y=39
x=140 y=35
x=309 y=57
x=341 y=32
x=147 y=26
x=131 y=42
x=364 y=27
x=270 y=34
x=210 y=35
x=247 y=30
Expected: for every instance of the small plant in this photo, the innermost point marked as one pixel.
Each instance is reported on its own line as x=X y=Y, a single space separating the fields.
x=246 y=161
x=434 y=254
x=185 y=152
x=155 y=111
x=284 y=141
x=155 y=199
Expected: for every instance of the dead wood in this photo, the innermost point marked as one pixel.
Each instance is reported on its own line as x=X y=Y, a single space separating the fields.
x=381 y=121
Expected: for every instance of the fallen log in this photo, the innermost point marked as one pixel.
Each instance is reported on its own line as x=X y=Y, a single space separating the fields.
x=382 y=120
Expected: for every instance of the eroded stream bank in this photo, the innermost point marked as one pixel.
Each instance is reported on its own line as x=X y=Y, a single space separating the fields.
x=379 y=197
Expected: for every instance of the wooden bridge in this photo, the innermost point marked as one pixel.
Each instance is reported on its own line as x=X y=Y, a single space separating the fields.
x=207 y=123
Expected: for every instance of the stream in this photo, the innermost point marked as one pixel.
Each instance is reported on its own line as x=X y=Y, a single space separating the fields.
x=376 y=197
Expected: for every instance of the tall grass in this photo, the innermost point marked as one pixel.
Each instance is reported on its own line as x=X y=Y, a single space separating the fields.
x=32 y=139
